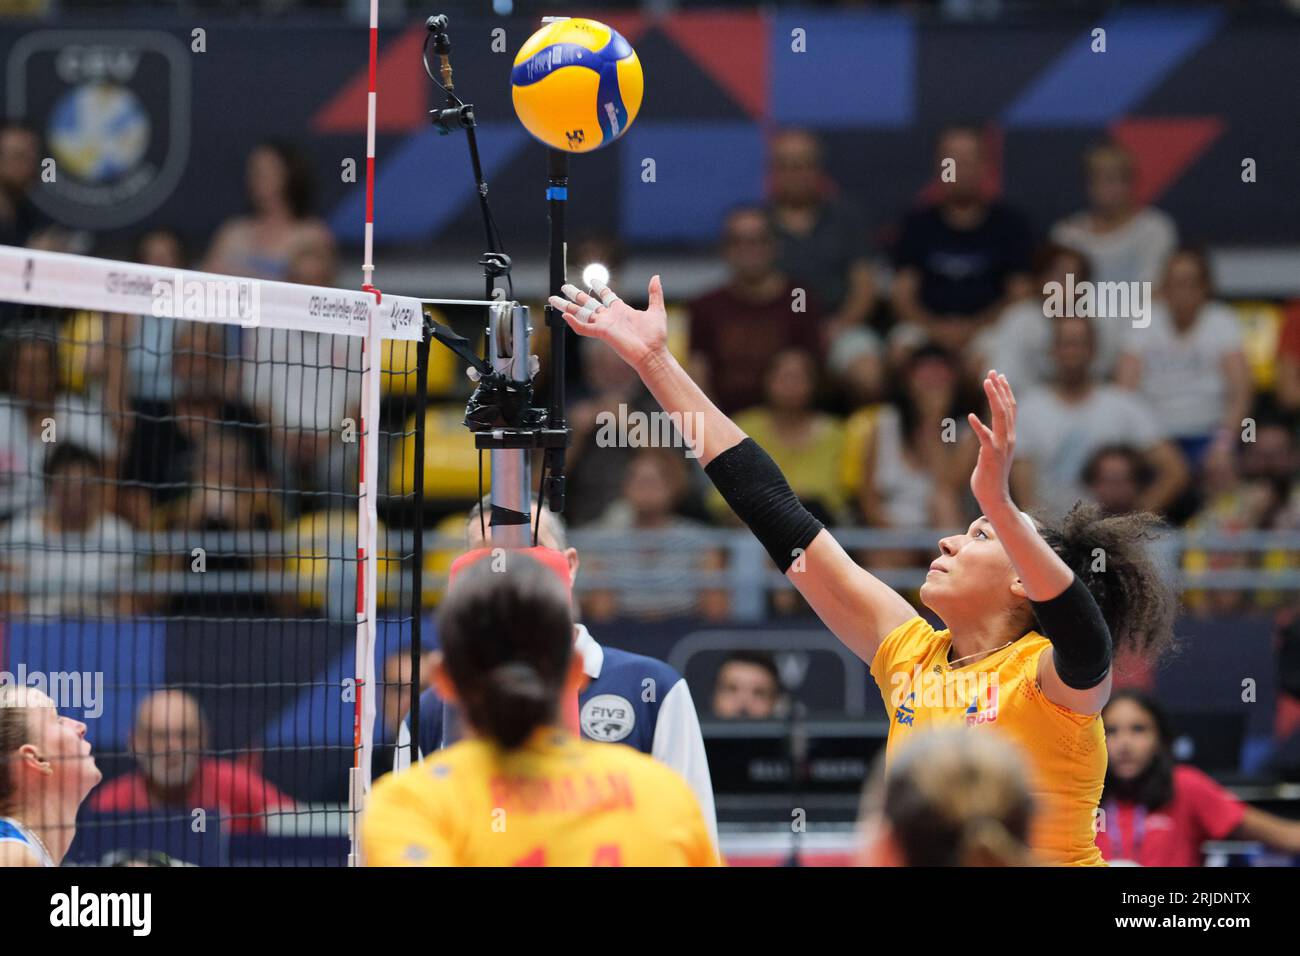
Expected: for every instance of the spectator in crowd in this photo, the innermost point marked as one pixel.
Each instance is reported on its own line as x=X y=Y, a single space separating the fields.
x=395 y=705
x=150 y=337
x=305 y=384
x=35 y=417
x=657 y=713
x=1272 y=459
x=1124 y=242
x=133 y=378
x=1188 y=364
x=911 y=477
x=1287 y=389
x=167 y=440
x=1062 y=426
x=281 y=198
x=230 y=492
x=951 y=798
x=20 y=147
x=1284 y=762
x=1253 y=487
x=1117 y=477
x=169 y=741
x=822 y=240
x=1157 y=812
x=72 y=555
x=668 y=551
x=961 y=260
x=736 y=328
x=1019 y=344
x=46 y=771
x=611 y=393
x=807 y=444
x=747 y=687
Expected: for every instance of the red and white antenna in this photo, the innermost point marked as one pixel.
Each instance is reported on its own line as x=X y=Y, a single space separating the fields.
x=363 y=719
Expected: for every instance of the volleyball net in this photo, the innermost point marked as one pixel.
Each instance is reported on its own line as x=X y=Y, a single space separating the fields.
x=206 y=547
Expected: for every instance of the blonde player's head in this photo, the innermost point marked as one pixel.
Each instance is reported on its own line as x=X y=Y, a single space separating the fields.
x=505 y=631
x=949 y=798
x=42 y=755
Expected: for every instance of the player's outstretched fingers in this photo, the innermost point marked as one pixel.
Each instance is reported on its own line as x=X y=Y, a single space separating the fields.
x=574 y=315
x=606 y=295
x=588 y=304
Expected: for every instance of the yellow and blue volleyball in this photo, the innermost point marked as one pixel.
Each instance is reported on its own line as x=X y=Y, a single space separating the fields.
x=577 y=85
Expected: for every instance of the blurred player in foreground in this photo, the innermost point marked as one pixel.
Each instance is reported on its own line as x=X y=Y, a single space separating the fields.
x=614 y=704
x=46 y=770
x=1030 y=609
x=522 y=790
x=950 y=798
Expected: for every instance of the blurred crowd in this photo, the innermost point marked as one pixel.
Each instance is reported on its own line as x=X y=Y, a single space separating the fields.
x=852 y=358
x=858 y=379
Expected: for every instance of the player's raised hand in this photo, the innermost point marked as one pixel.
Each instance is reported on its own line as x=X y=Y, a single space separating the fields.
x=990 y=481
x=634 y=334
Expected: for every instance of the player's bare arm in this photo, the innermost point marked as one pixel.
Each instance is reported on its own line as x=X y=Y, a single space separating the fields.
x=856 y=606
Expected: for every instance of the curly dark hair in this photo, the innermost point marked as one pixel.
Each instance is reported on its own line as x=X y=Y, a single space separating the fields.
x=1139 y=605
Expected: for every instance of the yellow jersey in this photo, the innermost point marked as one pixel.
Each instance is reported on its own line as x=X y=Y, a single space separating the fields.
x=1065 y=752
x=555 y=801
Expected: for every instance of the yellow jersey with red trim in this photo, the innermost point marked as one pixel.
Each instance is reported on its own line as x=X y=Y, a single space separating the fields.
x=1065 y=751
x=555 y=801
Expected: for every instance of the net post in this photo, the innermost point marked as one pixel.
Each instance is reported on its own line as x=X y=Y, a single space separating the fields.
x=417 y=557
x=367 y=552
x=511 y=493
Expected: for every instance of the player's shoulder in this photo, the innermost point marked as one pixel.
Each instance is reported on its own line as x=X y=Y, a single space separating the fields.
x=441 y=770
x=912 y=637
x=16 y=853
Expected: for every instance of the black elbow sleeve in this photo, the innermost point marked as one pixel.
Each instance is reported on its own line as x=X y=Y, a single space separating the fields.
x=752 y=484
x=1081 y=644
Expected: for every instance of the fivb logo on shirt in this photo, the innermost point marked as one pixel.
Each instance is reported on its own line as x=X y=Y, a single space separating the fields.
x=1098 y=300
x=608 y=718
x=637 y=429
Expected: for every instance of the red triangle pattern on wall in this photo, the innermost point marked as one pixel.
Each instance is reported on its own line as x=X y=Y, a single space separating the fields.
x=1163 y=148
x=731 y=48
x=402 y=105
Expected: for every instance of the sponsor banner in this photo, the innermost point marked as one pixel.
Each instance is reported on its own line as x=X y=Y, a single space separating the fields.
x=84 y=282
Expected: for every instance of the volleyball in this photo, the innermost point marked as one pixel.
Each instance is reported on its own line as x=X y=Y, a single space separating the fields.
x=577 y=85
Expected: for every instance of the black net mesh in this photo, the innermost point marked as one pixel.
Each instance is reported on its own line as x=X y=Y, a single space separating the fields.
x=179 y=565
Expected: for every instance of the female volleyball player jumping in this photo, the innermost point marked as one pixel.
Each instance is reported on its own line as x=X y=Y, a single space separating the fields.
x=46 y=770
x=524 y=791
x=1033 y=613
